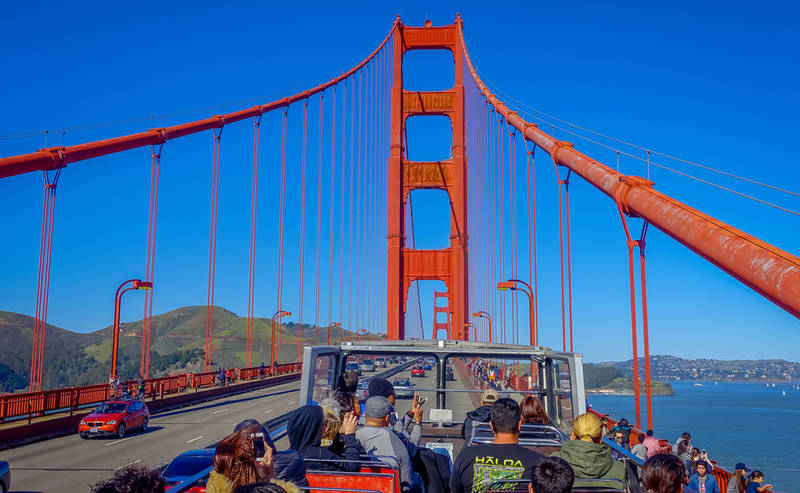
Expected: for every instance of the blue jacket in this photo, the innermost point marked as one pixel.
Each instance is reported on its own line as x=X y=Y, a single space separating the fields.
x=711 y=483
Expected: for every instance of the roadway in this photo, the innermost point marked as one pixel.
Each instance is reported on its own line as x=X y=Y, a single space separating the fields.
x=71 y=464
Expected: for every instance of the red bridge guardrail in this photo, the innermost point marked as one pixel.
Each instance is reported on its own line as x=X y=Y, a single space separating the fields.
x=32 y=404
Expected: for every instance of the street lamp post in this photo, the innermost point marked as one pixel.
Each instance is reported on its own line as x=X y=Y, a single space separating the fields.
x=139 y=285
x=469 y=325
x=279 y=313
x=332 y=324
x=520 y=285
x=483 y=314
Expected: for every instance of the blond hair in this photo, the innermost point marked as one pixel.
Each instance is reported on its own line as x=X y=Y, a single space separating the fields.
x=587 y=427
x=332 y=426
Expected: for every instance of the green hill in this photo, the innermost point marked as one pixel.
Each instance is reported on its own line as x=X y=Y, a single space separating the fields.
x=177 y=345
x=609 y=378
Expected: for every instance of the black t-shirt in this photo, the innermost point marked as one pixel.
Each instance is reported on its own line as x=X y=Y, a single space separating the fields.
x=478 y=466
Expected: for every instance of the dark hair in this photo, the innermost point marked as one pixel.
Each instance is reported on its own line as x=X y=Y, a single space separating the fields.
x=348 y=381
x=532 y=411
x=235 y=459
x=505 y=416
x=622 y=422
x=262 y=487
x=756 y=474
x=345 y=401
x=640 y=437
x=649 y=433
x=552 y=475
x=686 y=436
x=663 y=473
x=131 y=480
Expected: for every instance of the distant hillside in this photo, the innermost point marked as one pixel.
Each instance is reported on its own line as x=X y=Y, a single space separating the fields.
x=608 y=378
x=667 y=367
x=178 y=340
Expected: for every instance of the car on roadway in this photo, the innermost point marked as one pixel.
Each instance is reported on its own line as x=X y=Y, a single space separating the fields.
x=362 y=392
x=449 y=374
x=393 y=360
x=403 y=388
x=5 y=476
x=187 y=465
x=380 y=362
x=427 y=366
x=115 y=417
x=353 y=367
x=417 y=371
x=368 y=365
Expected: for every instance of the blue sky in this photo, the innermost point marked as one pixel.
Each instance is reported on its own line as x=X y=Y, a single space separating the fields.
x=708 y=82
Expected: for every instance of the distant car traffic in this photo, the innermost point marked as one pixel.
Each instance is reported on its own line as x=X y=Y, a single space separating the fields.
x=380 y=363
x=362 y=392
x=426 y=367
x=115 y=417
x=353 y=367
x=367 y=365
x=5 y=476
x=403 y=388
x=393 y=360
x=187 y=465
x=449 y=374
x=417 y=371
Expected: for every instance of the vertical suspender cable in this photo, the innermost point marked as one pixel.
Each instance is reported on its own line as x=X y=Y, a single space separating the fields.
x=532 y=260
x=301 y=262
x=155 y=168
x=212 y=249
x=341 y=210
x=320 y=135
x=281 y=222
x=350 y=207
x=331 y=216
x=501 y=222
x=253 y=224
x=569 y=259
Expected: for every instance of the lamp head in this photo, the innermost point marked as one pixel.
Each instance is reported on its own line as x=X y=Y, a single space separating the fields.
x=505 y=285
x=139 y=284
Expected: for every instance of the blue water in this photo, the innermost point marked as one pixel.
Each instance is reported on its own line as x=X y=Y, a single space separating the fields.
x=734 y=422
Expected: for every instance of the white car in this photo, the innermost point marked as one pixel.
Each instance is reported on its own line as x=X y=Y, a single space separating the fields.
x=380 y=362
x=367 y=365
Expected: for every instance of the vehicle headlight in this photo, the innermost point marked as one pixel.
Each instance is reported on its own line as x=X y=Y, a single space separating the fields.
x=112 y=422
x=83 y=422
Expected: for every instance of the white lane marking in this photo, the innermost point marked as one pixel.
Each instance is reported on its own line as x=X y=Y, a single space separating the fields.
x=117 y=441
x=194 y=439
x=221 y=410
x=291 y=402
x=268 y=411
x=129 y=464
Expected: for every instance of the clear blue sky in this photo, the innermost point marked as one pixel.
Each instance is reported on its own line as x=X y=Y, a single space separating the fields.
x=715 y=83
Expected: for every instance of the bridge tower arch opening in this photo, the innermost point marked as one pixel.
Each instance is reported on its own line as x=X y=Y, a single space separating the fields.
x=405 y=264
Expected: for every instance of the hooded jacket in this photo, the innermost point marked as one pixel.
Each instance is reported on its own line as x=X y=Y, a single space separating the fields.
x=482 y=414
x=591 y=460
x=304 y=430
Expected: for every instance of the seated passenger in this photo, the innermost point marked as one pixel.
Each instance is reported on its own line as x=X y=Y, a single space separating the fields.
x=619 y=442
x=625 y=427
x=381 y=442
x=383 y=388
x=235 y=463
x=131 y=480
x=533 y=412
x=551 y=475
x=651 y=444
x=701 y=482
x=304 y=430
x=663 y=473
x=481 y=414
x=478 y=466
x=639 y=449
x=586 y=454
x=287 y=464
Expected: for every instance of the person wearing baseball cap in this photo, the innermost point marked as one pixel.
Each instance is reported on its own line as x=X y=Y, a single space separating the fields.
x=481 y=415
x=738 y=481
x=380 y=441
x=383 y=388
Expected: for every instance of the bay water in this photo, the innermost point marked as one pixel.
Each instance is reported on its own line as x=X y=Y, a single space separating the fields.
x=754 y=423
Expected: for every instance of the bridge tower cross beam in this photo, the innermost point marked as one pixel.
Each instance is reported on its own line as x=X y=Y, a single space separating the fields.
x=406 y=265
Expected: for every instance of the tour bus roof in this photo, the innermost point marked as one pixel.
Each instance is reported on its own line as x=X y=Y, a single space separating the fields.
x=450 y=346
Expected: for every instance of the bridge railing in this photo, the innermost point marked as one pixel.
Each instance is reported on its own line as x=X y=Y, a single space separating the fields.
x=32 y=404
